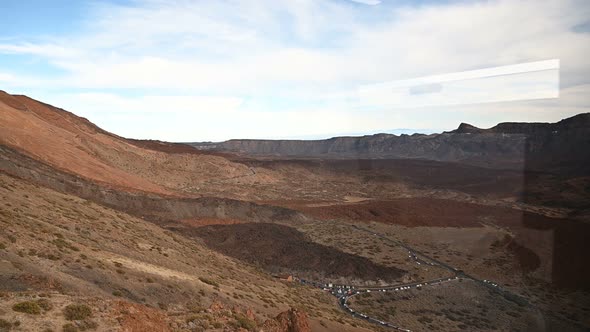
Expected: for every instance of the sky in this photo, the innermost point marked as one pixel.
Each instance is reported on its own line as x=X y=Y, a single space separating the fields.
x=214 y=70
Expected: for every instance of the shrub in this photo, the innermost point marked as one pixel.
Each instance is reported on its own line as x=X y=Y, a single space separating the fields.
x=87 y=325
x=69 y=327
x=45 y=304
x=27 y=307
x=62 y=244
x=209 y=281
x=77 y=312
x=195 y=307
x=5 y=325
x=245 y=322
x=117 y=293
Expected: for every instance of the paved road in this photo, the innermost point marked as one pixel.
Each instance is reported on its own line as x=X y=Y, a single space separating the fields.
x=458 y=272
x=344 y=292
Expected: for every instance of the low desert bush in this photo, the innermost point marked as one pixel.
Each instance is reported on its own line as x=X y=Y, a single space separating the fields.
x=209 y=281
x=69 y=327
x=245 y=322
x=77 y=312
x=28 y=307
x=5 y=325
x=45 y=304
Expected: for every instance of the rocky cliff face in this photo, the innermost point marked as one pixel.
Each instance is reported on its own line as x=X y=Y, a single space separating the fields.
x=441 y=147
x=507 y=144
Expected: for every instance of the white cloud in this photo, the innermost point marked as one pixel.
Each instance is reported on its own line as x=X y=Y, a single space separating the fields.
x=6 y=77
x=193 y=118
x=313 y=51
x=101 y=102
x=187 y=118
x=368 y=2
x=232 y=44
x=44 y=50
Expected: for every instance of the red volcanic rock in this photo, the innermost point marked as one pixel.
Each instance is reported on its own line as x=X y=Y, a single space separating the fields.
x=135 y=317
x=216 y=306
x=292 y=320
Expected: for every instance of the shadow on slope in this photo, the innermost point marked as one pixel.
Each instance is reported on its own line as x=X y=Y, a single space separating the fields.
x=282 y=248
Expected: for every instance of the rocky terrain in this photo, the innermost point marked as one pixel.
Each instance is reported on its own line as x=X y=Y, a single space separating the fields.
x=65 y=250
x=137 y=235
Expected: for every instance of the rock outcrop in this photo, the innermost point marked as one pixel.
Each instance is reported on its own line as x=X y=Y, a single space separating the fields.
x=292 y=320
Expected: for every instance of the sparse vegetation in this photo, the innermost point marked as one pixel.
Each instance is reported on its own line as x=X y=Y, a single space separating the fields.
x=28 y=307
x=130 y=239
x=69 y=327
x=77 y=312
x=45 y=304
x=244 y=322
x=87 y=325
x=5 y=325
x=209 y=281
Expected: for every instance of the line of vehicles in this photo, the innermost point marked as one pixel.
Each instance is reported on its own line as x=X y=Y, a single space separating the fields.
x=419 y=261
x=344 y=292
x=344 y=305
x=490 y=283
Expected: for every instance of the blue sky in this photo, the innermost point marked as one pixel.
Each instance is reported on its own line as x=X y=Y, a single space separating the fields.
x=212 y=70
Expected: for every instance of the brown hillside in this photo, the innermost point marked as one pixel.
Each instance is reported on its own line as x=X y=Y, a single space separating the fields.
x=75 y=145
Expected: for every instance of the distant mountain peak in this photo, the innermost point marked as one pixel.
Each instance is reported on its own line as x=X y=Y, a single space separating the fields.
x=465 y=128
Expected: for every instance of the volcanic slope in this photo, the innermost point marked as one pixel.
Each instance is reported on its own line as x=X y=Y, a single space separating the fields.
x=57 y=250
x=75 y=145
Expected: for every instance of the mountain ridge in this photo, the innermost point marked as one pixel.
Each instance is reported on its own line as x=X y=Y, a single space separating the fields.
x=506 y=144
